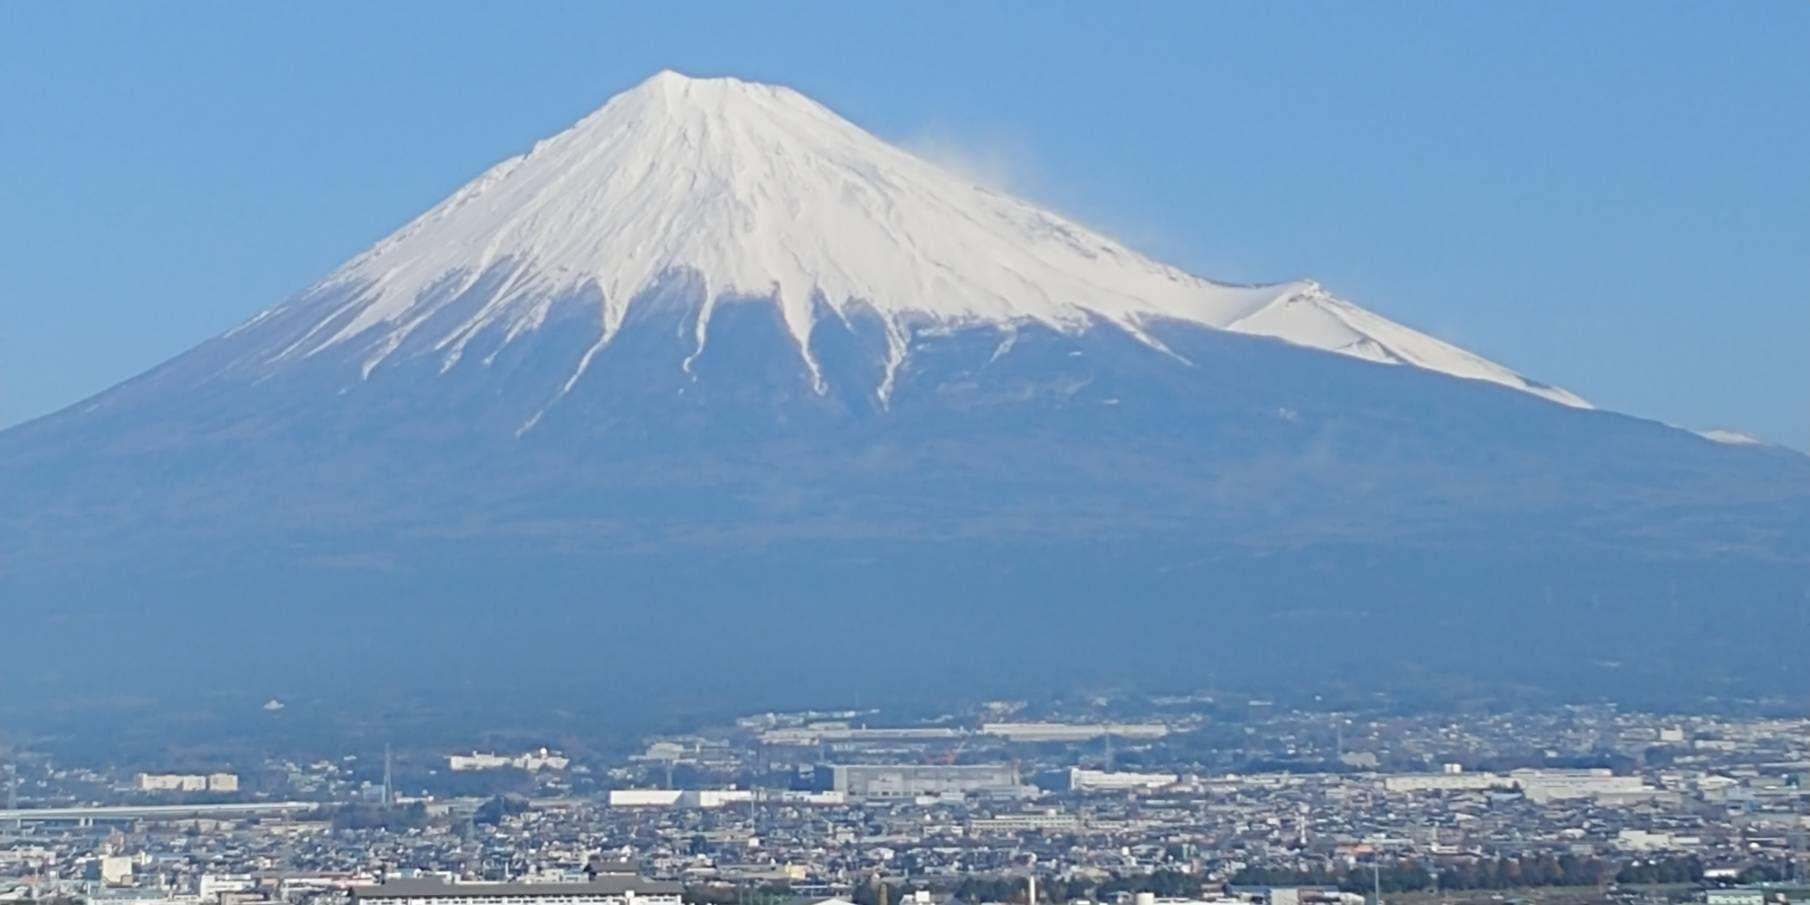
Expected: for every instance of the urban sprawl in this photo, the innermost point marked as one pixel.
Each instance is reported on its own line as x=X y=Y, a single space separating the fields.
x=1178 y=799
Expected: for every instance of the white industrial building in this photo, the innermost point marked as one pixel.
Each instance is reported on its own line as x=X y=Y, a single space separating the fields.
x=532 y=761
x=892 y=781
x=645 y=798
x=1552 y=785
x=186 y=782
x=1080 y=780
x=1450 y=781
x=1539 y=786
x=1073 y=732
x=824 y=733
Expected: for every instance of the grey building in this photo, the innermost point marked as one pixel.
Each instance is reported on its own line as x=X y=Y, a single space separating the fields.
x=869 y=781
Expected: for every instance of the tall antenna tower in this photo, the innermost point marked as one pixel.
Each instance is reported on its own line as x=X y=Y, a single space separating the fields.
x=12 y=794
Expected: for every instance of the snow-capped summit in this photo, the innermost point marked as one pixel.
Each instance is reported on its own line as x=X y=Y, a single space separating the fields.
x=760 y=193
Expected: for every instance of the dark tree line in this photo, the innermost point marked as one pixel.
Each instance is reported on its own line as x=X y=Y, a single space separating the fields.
x=1531 y=870
x=1394 y=877
x=1165 y=883
x=1011 y=888
x=1406 y=876
x=1481 y=873
x=727 y=894
x=1662 y=870
x=1764 y=873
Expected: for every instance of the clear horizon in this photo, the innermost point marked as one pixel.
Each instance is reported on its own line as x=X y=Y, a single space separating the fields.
x=1608 y=199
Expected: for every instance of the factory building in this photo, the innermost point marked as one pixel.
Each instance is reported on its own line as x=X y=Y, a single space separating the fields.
x=186 y=782
x=1541 y=786
x=1073 y=732
x=1080 y=780
x=893 y=781
x=827 y=733
x=532 y=761
x=1449 y=781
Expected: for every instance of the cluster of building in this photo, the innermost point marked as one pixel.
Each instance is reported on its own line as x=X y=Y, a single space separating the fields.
x=186 y=782
x=532 y=761
x=821 y=805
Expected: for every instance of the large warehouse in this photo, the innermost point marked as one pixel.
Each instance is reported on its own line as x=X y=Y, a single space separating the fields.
x=868 y=781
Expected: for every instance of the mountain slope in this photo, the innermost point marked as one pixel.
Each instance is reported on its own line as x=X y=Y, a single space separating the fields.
x=714 y=378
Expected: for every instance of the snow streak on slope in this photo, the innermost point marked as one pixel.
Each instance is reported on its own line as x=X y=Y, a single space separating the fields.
x=760 y=193
x=1731 y=438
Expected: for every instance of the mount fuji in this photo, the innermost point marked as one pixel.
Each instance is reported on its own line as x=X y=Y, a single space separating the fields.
x=714 y=377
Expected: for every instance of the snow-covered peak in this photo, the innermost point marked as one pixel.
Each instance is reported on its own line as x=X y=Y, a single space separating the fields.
x=758 y=192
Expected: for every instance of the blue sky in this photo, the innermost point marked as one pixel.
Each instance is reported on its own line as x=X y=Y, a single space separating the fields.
x=1613 y=197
